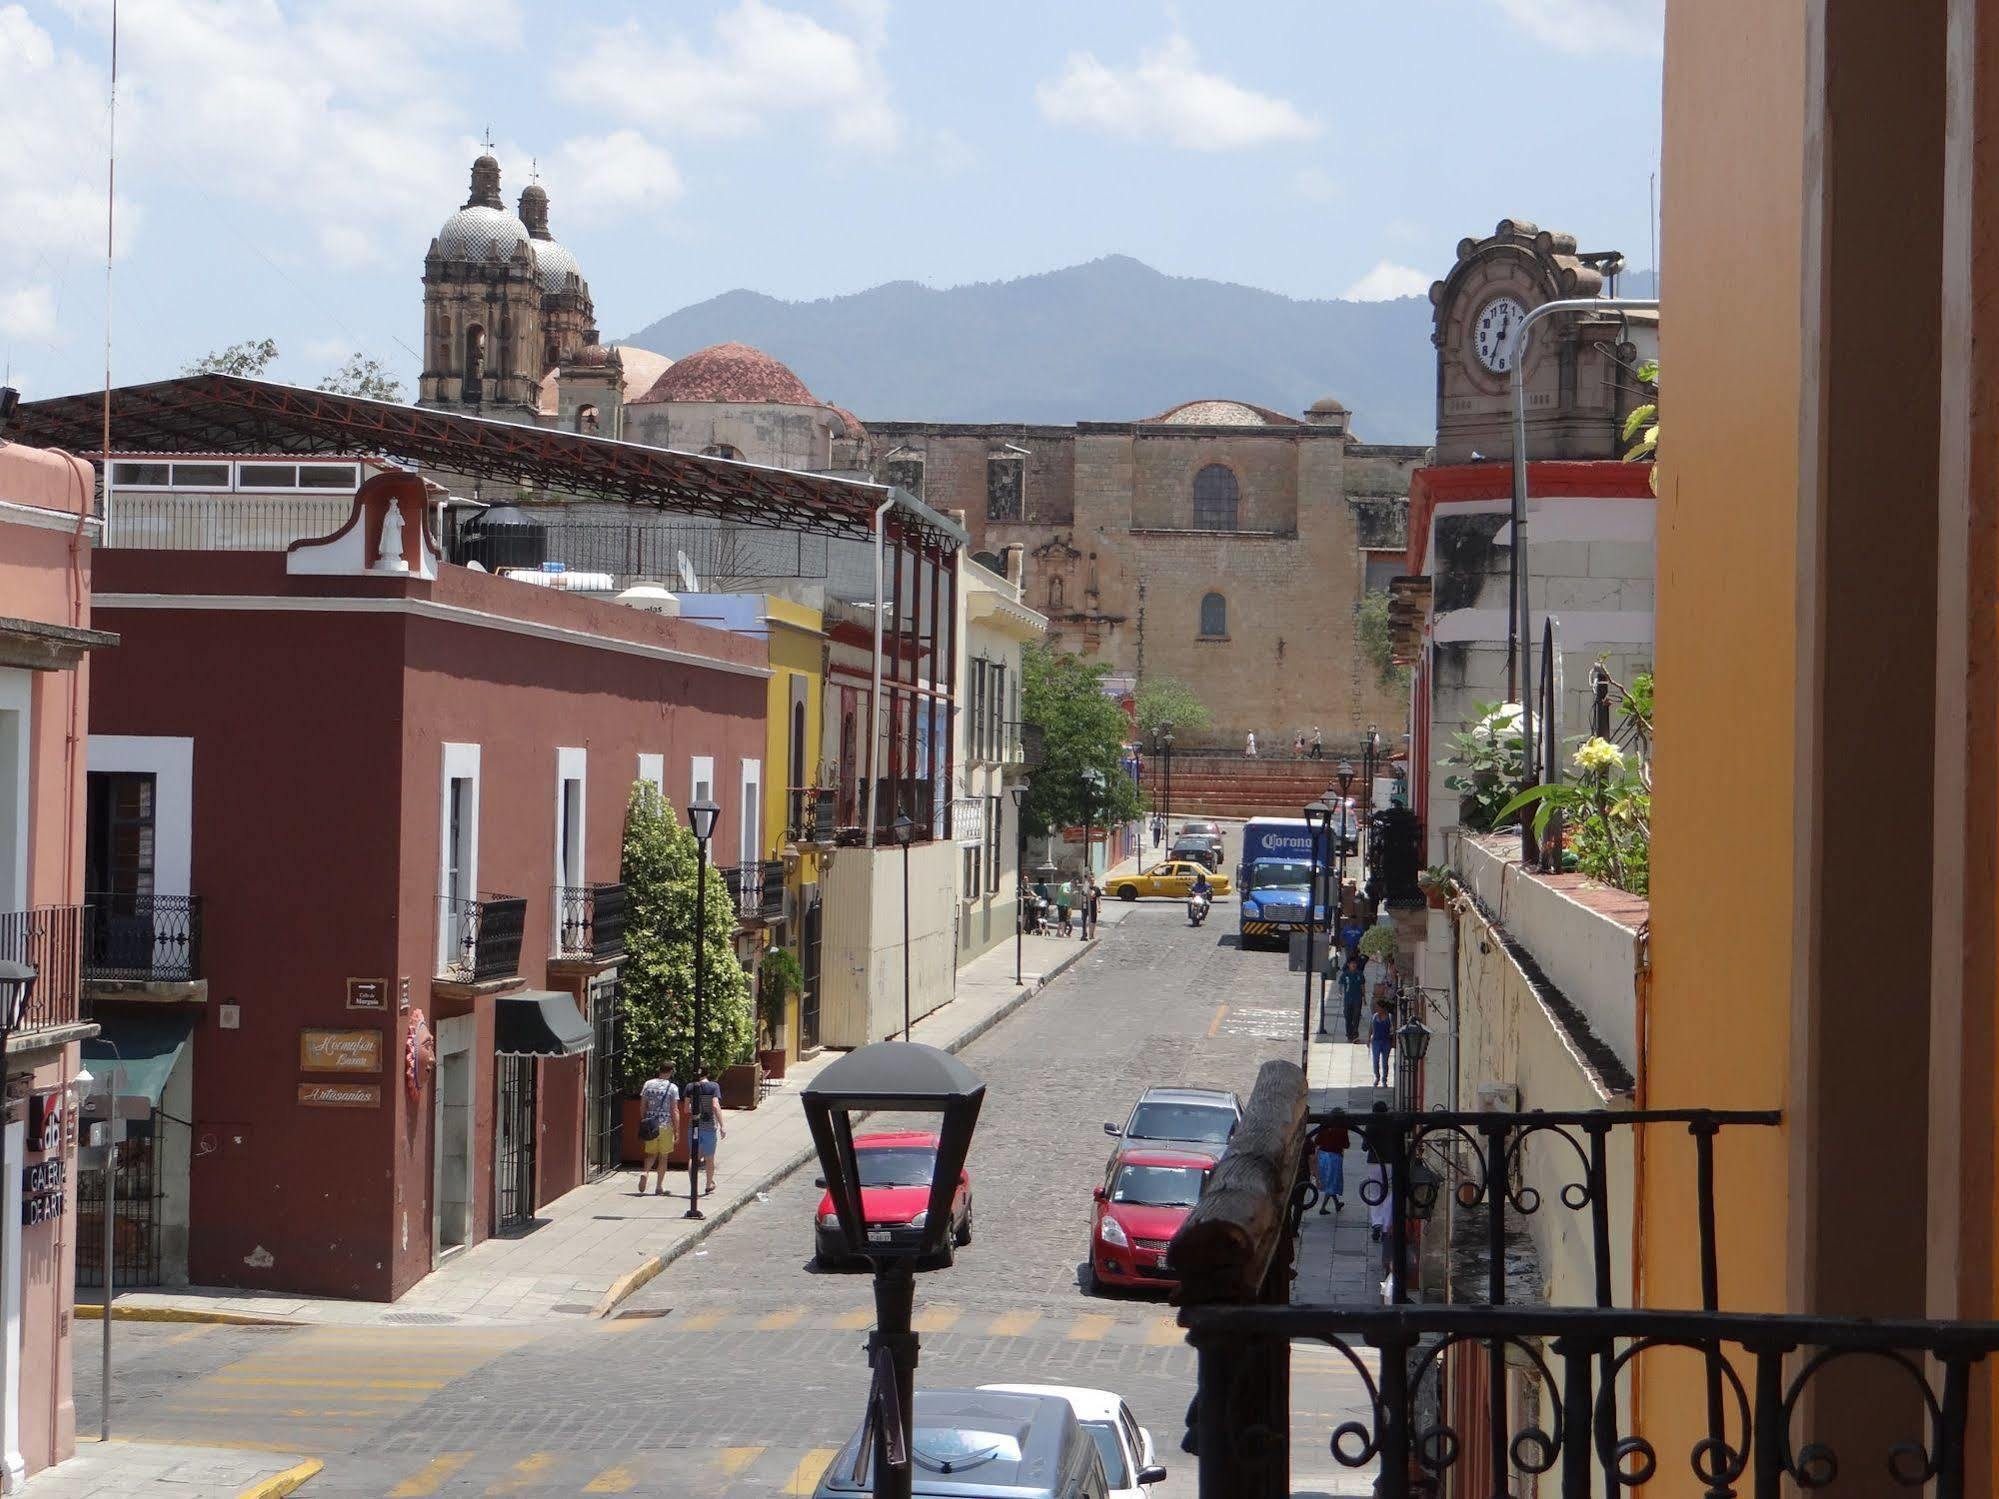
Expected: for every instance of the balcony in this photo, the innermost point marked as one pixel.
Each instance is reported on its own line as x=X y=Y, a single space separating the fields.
x=811 y=814
x=49 y=939
x=758 y=891
x=590 y=923
x=907 y=795
x=142 y=940
x=482 y=939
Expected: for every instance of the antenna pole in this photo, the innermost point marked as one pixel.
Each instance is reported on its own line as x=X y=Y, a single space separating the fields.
x=110 y=244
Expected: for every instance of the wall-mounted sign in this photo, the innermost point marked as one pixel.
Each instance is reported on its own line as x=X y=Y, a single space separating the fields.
x=340 y=1095
x=405 y=1000
x=367 y=994
x=339 y=1051
x=42 y=1187
x=45 y=1122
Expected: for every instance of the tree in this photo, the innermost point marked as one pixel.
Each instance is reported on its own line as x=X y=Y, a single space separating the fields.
x=1082 y=729
x=657 y=979
x=1165 y=700
x=1377 y=641
x=364 y=376
x=249 y=358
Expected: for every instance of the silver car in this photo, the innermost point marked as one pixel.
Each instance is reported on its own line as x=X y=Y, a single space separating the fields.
x=1180 y=1116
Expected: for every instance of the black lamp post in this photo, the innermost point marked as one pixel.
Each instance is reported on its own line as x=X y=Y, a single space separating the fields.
x=903 y=1079
x=1093 y=786
x=1166 y=743
x=1019 y=794
x=904 y=830
x=1348 y=842
x=1317 y=817
x=701 y=817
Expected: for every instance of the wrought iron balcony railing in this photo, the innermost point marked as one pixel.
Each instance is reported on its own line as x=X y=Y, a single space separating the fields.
x=590 y=922
x=143 y=938
x=757 y=889
x=50 y=940
x=811 y=814
x=481 y=938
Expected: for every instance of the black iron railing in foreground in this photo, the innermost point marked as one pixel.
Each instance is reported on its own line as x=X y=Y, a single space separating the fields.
x=1767 y=1365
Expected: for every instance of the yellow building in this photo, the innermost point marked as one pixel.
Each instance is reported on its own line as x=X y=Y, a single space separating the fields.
x=794 y=729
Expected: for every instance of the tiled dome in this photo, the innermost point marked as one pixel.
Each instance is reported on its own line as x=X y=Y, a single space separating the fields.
x=731 y=372
x=476 y=231
x=1223 y=414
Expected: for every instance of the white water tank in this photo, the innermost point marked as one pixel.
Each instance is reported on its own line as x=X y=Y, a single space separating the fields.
x=651 y=597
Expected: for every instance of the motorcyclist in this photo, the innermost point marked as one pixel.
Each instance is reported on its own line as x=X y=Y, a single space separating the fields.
x=1201 y=896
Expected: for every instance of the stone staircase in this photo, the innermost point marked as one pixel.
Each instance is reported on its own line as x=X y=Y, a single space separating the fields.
x=1228 y=784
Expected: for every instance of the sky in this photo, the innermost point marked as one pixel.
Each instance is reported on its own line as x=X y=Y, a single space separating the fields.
x=281 y=167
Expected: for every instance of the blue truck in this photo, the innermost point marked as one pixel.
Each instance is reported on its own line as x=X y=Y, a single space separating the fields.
x=1273 y=877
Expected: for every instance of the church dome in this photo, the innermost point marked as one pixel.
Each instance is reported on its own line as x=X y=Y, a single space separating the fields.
x=476 y=231
x=1223 y=414
x=554 y=265
x=731 y=373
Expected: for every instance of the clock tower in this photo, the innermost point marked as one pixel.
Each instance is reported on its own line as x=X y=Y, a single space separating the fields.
x=1580 y=369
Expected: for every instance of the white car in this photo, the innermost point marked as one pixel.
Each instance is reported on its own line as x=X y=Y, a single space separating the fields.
x=1130 y=1465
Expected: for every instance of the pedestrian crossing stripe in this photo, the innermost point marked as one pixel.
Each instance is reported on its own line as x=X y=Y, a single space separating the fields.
x=811 y=1468
x=1154 y=1330
x=430 y=1477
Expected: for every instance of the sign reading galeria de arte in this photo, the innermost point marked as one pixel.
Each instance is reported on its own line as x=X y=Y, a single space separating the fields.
x=340 y=1095
x=339 y=1051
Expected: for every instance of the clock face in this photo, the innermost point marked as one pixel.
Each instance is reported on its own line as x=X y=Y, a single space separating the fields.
x=1496 y=335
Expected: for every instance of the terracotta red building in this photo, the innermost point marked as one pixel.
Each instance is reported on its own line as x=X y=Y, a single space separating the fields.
x=396 y=789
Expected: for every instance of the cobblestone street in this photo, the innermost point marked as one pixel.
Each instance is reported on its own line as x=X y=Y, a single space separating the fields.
x=740 y=1369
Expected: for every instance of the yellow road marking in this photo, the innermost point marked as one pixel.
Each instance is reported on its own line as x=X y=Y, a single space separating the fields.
x=734 y=1459
x=811 y=1467
x=1164 y=1330
x=526 y=1474
x=329 y=1384
x=703 y=1321
x=1013 y=1324
x=1216 y=1024
x=934 y=1319
x=1090 y=1327
x=618 y=1480
x=859 y=1317
x=199 y=1330
x=430 y=1477
x=778 y=1321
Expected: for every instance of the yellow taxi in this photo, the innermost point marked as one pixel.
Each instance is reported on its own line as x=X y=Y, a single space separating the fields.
x=1175 y=877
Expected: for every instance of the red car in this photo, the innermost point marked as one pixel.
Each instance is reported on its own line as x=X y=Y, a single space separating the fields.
x=895 y=1196
x=1145 y=1198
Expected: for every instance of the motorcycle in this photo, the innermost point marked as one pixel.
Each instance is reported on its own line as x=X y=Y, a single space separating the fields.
x=1197 y=909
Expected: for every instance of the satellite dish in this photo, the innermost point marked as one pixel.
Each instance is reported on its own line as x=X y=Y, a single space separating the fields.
x=687 y=579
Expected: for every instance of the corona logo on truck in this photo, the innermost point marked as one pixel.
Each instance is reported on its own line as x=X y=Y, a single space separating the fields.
x=1273 y=878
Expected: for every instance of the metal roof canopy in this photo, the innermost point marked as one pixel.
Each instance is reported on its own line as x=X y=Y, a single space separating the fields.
x=228 y=413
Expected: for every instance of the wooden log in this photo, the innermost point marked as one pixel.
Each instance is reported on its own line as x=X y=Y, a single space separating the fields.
x=1224 y=1249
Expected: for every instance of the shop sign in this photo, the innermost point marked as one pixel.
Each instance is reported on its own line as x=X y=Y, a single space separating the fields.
x=42 y=1188
x=367 y=994
x=340 y=1095
x=46 y=1119
x=339 y=1051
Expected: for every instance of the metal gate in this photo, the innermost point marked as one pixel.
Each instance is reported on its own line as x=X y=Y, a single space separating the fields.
x=135 y=1228
x=601 y=1106
x=808 y=998
x=513 y=1143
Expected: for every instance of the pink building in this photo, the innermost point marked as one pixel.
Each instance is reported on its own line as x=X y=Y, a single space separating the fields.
x=46 y=533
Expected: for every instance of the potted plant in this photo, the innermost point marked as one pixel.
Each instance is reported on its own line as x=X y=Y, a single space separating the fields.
x=1377 y=944
x=742 y=1084
x=778 y=978
x=1435 y=883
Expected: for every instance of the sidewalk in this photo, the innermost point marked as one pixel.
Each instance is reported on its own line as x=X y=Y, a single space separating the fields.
x=1337 y=1260
x=595 y=1246
x=115 y=1469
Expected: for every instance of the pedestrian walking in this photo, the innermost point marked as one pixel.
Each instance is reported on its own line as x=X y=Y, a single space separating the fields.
x=659 y=1098
x=1353 y=992
x=704 y=1116
x=1065 y=897
x=1388 y=982
x=1249 y=744
x=1091 y=894
x=1298 y=745
x=1381 y=1041
x=1330 y=1141
x=1318 y=744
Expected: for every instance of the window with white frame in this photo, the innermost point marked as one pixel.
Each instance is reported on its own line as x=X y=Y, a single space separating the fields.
x=653 y=768
x=750 y=833
x=978 y=727
x=571 y=903
x=458 y=857
x=701 y=780
x=16 y=741
x=973 y=862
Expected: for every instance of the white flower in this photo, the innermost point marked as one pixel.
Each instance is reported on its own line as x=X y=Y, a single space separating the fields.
x=1599 y=755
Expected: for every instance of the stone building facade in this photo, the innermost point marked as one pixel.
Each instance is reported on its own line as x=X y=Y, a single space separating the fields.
x=1219 y=544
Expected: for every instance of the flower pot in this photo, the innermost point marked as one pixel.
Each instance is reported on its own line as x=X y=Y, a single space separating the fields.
x=772 y=1062
x=1434 y=899
x=742 y=1086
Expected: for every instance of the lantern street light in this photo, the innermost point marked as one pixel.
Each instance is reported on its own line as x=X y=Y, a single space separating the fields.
x=1414 y=1037
x=1318 y=816
x=701 y=817
x=904 y=830
x=903 y=1078
x=1163 y=742
x=1019 y=795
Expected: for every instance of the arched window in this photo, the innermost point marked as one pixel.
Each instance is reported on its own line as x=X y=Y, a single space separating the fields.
x=1214 y=499
x=1214 y=614
x=472 y=386
x=586 y=419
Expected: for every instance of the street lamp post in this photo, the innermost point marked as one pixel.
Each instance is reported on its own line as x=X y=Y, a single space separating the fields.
x=898 y=1078
x=1093 y=782
x=1019 y=794
x=904 y=830
x=1318 y=816
x=701 y=817
x=1166 y=739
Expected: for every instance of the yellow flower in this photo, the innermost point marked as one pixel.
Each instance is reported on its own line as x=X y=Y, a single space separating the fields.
x=1599 y=755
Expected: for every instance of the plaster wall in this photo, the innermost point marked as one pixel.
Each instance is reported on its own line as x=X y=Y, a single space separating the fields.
x=861 y=963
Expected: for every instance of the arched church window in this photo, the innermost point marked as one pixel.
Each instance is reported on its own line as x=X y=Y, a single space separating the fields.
x=1214 y=615
x=1215 y=499
x=586 y=420
x=475 y=362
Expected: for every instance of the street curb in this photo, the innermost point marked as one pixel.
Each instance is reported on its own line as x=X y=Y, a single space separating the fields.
x=622 y=1288
x=280 y=1484
x=93 y=1311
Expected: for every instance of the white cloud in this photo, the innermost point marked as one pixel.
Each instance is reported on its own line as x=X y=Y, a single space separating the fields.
x=1388 y=281
x=28 y=312
x=1587 y=26
x=764 y=63
x=608 y=177
x=1166 y=97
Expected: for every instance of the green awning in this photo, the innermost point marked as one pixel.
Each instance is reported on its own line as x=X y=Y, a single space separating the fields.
x=539 y=1023
x=146 y=1046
